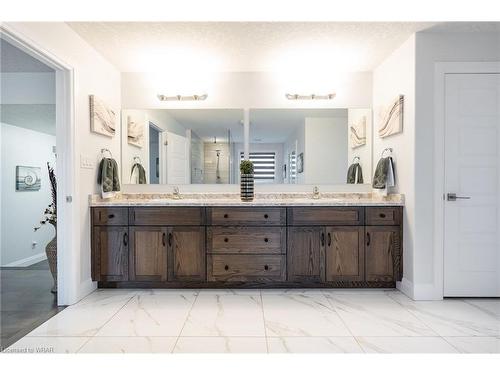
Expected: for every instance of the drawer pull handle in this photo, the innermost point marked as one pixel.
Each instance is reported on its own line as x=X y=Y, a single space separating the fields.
x=382 y=215
x=266 y=267
x=226 y=216
x=226 y=267
x=266 y=216
x=266 y=239
x=226 y=239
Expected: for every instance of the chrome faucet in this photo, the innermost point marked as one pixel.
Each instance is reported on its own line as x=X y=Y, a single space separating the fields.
x=177 y=194
x=315 y=193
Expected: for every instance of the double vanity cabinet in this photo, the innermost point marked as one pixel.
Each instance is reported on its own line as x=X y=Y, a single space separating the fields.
x=246 y=246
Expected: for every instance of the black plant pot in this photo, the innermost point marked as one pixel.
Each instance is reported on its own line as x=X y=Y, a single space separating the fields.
x=247 y=185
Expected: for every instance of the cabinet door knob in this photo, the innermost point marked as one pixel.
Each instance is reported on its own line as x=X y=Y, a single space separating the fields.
x=226 y=267
x=226 y=239
x=110 y=216
x=266 y=216
x=266 y=267
x=226 y=216
x=382 y=215
x=266 y=239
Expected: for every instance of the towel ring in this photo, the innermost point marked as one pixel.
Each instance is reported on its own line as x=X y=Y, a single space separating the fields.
x=356 y=157
x=386 y=149
x=104 y=150
x=137 y=158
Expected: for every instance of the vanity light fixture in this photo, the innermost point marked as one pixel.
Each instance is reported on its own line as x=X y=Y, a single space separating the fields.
x=310 y=97
x=165 y=98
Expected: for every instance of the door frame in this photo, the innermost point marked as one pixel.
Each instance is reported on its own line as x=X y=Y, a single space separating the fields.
x=67 y=223
x=441 y=69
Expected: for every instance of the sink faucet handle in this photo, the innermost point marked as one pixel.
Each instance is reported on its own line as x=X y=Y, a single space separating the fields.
x=176 y=190
x=316 y=190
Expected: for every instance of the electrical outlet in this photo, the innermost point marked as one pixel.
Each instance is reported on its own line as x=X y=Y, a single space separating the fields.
x=86 y=162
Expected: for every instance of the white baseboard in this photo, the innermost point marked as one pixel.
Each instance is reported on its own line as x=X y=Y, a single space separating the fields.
x=86 y=287
x=406 y=287
x=27 y=261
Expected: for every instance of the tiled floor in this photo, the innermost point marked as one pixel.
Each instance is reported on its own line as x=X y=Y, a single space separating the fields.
x=274 y=321
x=25 y=300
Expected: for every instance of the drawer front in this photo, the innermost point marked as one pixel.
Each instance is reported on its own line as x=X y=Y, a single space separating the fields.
x=110 y=215
x=167 y=216
x=384 y=215
x=239 y=267
x=326 y=216
x=246 y=216
x=247 y=240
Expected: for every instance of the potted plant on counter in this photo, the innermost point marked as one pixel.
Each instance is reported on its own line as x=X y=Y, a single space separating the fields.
x=50 y=217
x=246 y=181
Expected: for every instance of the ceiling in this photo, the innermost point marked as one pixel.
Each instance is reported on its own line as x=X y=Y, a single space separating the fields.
x=210 y=123
x=13 y=60
x=246 y=46
x=277 y=125
x=38 y=117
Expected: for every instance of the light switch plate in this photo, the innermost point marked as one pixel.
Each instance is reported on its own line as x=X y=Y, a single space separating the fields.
x=86 y=162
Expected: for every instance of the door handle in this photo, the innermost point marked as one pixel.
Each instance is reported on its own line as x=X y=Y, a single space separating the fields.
x=322 y=238
x=329 y=239
x=170 y=239
x=452 y=197
x=125 y=239
x=163 y=239
x=368 y=238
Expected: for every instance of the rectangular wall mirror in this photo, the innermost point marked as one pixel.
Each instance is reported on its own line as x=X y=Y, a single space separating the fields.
x=181 y=146
x=311 y=146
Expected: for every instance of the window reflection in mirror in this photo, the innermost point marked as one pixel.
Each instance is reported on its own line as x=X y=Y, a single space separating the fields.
x=311 y=146
x=181 y=146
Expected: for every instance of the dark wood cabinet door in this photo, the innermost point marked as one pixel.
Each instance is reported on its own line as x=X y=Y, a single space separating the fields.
x=148 y=254
x=110 y=247
x=344 y=253
x=306 y=253
x=382 y=255
x=186 y=254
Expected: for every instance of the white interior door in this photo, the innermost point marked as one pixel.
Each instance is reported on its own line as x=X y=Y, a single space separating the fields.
x=177 y=159
x=472 y=155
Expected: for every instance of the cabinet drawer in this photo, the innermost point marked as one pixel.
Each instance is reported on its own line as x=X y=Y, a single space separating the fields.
x=246 y=216
x=166 y=216
x=239 y=267
x=325 y=216
x=247 y=240
x=110 y=215
x=384 y=215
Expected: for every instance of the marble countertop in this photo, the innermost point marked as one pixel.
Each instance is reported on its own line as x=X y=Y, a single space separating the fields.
x=261 y=199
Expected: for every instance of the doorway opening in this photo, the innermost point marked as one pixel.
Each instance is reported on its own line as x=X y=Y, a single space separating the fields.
x=36 y=138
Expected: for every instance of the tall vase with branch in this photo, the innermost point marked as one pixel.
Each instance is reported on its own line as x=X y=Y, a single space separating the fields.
x=50 y=217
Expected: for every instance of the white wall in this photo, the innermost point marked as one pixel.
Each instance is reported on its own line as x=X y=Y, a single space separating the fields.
x=23 y=210
x=432 y=48
x=364 y=152
x=246 y=90
x=395 y=76
x=28 y=88
x=325 y=154
x=92 y=74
